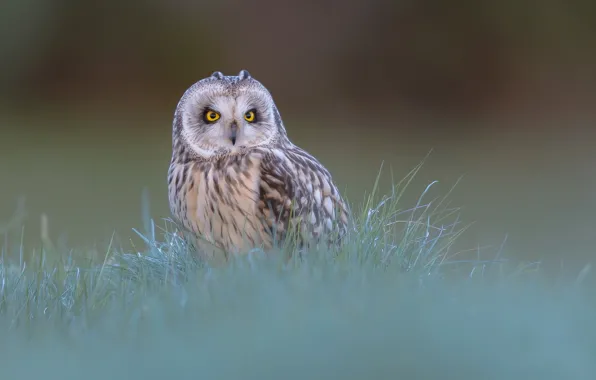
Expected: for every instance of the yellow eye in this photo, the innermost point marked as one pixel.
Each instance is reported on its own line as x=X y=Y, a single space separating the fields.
x=211 y=116
x=249 y=116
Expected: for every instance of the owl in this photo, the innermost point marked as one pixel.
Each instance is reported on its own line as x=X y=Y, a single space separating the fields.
x=236 y=181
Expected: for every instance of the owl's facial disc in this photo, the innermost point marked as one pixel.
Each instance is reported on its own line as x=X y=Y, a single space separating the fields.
x=229 y=123
x=226 y=115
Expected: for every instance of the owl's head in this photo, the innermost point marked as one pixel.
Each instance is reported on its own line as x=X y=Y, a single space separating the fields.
x=221 y=115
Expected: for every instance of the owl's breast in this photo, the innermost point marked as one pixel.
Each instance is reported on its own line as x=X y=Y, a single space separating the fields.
x=221 y=204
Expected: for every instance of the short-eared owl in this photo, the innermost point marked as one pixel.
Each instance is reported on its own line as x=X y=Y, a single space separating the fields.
x=236 y=181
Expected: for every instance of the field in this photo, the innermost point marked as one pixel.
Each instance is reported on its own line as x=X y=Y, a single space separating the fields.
x=397 y=301
x=476 y=263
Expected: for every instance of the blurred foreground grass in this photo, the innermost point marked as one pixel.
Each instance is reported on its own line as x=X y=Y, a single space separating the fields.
x=395 y=302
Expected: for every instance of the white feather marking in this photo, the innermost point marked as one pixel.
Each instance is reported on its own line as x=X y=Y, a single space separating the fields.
x=309 y=187
x=326 y=189
x=279 y=154
x=328 y=206
x=317 y=195
x=328 y=224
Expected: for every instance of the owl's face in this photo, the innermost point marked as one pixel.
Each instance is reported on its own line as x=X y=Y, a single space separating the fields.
x=225 y=115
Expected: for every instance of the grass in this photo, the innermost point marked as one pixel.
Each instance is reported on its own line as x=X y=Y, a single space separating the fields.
x=396 y=301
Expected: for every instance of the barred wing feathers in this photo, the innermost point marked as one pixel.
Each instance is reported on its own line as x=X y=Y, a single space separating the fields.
x=296 y=191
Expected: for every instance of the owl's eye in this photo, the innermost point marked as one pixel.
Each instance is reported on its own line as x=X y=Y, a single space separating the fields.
x=250 y=116
x=211 y=116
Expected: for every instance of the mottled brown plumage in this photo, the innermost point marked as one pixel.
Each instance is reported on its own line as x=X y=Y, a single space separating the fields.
x=236 y=181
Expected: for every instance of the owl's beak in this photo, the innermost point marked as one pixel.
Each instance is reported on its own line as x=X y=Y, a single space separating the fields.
x=233 y=132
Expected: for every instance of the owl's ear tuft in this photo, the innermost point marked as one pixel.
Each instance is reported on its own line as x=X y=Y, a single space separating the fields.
x=217 y=75
x=244 y=74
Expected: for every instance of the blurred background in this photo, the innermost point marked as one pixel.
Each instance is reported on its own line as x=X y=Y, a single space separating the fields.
x=502 y=91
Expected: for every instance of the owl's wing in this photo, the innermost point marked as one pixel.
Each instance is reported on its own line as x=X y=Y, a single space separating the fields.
x=297 y=191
